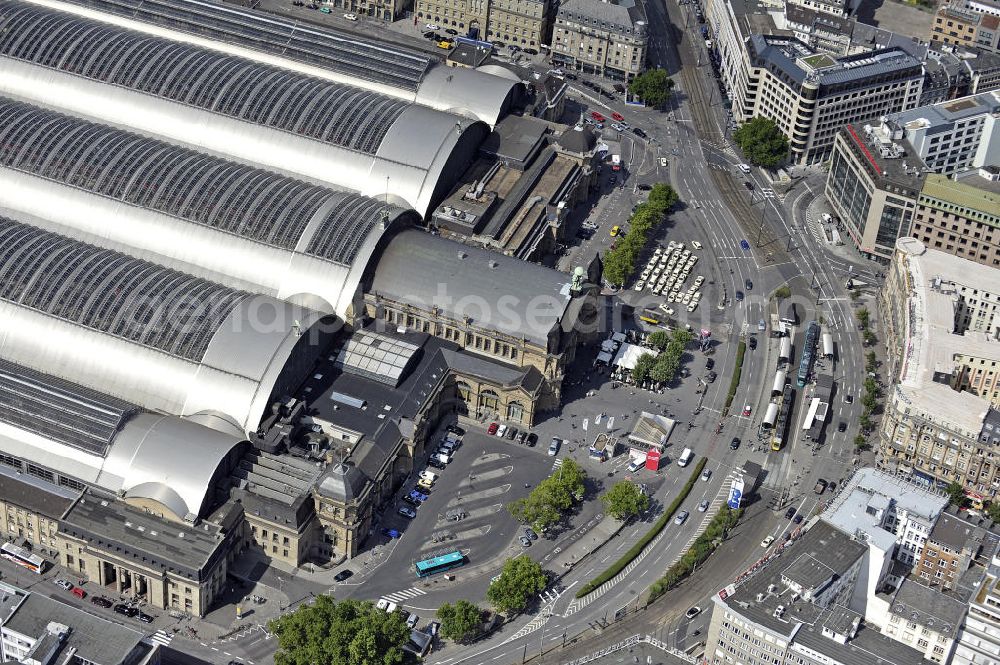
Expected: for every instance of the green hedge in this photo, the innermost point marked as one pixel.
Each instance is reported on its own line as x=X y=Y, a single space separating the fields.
x=735 y=382
x=632 y=553
x=702 y=548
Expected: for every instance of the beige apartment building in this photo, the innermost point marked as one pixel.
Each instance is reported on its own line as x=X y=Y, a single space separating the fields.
x=962 y=25
x=604 y=38
x=524 y=23
x=938 y=314
x=961 y=217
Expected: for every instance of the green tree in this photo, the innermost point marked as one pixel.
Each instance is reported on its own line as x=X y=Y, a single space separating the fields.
x=864 y=317
x=869 y=337
x=871 y=363
x=865 y=422
x=682 y=337
x=782 y=292
x=571 y=478
x=643 y=365
x=666 y=367
x=762 y=142
x=351 y=632
x=624 y=500
x=460 y=622
x=535 y=510
x=519 y=580
x=993 y=511
x=855 y=295
x=860 y=442
x=663 y=197
x=618 y=265
x=956 y=493
x=659 y=340
x=653 y=87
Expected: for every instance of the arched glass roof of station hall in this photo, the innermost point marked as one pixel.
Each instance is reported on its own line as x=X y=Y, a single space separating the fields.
x=268 y=96
x=326 y=47
x=111 y=292
x=249 y=202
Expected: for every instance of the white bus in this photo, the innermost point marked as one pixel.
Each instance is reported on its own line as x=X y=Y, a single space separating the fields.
x=828 y=345
x=23 y=557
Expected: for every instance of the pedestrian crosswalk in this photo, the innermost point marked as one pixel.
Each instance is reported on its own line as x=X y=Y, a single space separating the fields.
x=767 y=192
x=558 y=463
x=162 y=637
x=406 y=594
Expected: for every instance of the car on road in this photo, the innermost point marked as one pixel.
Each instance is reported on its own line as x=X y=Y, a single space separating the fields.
x=735 y=443
x=747 y=410
x=748 y=284
x=681 y=517
x=644 y=187
x=432 y=26
x=797 y=519
x=409 y=513
x=752 y=343
x=125 y=610
x=501 y=431
x=615 y=230
x=597 y=116
x=706 y=475
x=748 y=184
x=145 y=618
x=739 y=296
x=849 y=399
x=554 y=447
x=617 y=116
x=101 y=601
x=790 y=513
x=411 y=621
x=692 y=612
x=635 y=465
x=638 y=132
x=63 y=584
x=429 y=34
x=530 y=533
x=841 y=426
x=696 y=244
x=452 y=31
x=703 y=505
x=443 y=44
x=821 y=486
x=767 y=541
x=710 y=377
x=492 y=429
x=325 y=10
x=618 y=128
x=351 y=17
x=745 y=168
x=525 y=541
x=710 y=363
x=744 y=245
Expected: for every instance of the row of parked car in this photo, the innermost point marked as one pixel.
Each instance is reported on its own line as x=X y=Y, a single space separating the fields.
x=523 y=437
x=102 y=601
x=439 y=459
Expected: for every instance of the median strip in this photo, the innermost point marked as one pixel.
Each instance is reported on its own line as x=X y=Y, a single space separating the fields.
x=648 y=537
x=735 y=382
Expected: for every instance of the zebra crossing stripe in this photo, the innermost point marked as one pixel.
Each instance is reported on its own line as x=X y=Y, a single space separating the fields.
x=161 y=637
x=399 y=596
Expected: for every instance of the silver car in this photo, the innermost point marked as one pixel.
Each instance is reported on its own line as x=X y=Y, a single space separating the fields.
x=681 y=517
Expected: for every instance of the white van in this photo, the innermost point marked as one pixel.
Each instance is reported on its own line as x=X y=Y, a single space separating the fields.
x=685 y=457
x=744 y=167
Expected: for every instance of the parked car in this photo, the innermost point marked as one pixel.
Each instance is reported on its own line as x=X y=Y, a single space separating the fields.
x=748 y=283
x=410 y=500
x=681 y=517
x=512 y=433
x=644 y=187
x=501 y=431
x=615 y=230
x=638 y=132
x=455 y=429
x=411 y=621
x=790 y=513
x=63 y=584
x=144 y=618
x=407 y=512
x=351 y=17
x=706 y=474
x=617 y=116
x=432 y=26
x=452 y=31
x=525 y=541
x=554 y=447
x=437 y=464
x=821 y=486
x=530 y=533
x=735 y=443
x=531 y=440
x=710 y=363
x=597 y=116
x=101 y=601
x=492 y=429
x=522 y=437
x=635 y=465
x=125 y=610
x=797 y=519
x=425 y=484
x=710 y=377
x=432 y=628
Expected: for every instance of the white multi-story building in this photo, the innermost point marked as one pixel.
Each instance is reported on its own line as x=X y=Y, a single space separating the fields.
x=979 y=639
x=812 y=95
x=954 y=135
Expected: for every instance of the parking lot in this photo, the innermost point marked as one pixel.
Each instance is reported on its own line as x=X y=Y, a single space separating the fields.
x=465 y=510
